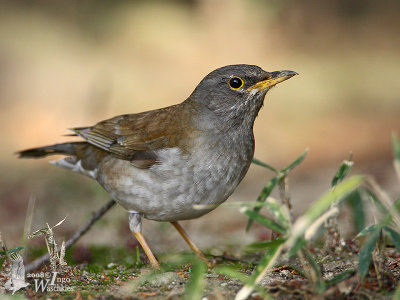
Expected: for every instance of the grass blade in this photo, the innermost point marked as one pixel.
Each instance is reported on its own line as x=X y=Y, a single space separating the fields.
x=317 y=274
x=295 y=163
x=280 y=212
x=376 y=201
x=231 y=271
x=365 y=257
x=297 y=247
x=394 y=236
x=396 y=295
x=314 y=227
x=367 y=230
x=298 y=230
x=2 y=260
x=396 y=150
x=263 y=164
x=393 y=208
x=265 y=192
x=342 y=172
x=255 y=216
x=195 y=286
x=340 y=277
x=357 y=208
x=267 y=260
x=338 y=193
x=15 y=250
x=323 y=203
x=263 y=245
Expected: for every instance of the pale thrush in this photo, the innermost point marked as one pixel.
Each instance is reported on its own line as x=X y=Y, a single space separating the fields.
x=178 y=162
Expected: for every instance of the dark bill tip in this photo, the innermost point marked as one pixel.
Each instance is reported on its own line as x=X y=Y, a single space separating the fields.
x=283 y=73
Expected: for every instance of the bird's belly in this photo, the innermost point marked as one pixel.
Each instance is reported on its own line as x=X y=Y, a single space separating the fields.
x=178 y=188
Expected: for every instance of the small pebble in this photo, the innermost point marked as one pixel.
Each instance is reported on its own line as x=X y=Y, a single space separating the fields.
x=111 y=265
x=286 y=274
x=328 y=275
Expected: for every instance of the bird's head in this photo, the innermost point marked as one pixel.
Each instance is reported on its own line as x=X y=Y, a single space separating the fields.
x=236 y=92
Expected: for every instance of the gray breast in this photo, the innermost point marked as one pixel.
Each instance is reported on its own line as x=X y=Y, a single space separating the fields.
x=169 y=190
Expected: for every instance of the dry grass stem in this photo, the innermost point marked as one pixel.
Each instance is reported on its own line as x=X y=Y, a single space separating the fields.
x=85 y=228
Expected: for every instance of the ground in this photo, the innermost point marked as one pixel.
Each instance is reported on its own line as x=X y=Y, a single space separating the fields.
x=101 y=279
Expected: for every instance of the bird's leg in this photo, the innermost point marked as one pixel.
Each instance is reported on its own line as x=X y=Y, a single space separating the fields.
x=187 y=239
x=135 y=225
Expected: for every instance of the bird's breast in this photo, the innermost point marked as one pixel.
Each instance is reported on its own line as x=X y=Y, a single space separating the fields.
x=219 y=164
x=180 y=182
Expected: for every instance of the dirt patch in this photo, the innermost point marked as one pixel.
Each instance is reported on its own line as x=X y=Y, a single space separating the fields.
x=286 y=281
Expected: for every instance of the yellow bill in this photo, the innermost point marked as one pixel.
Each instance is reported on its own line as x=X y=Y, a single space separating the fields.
x=276 y=77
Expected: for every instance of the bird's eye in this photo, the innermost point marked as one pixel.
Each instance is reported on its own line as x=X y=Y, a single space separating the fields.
x=235 y=83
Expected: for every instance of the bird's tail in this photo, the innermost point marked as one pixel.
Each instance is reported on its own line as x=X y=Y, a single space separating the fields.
x=82 y=157
x=70 y=149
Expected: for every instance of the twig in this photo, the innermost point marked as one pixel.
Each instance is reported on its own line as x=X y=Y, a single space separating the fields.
x=334 y=242
x=96 y=216
x=285 y=195
x=28 y=219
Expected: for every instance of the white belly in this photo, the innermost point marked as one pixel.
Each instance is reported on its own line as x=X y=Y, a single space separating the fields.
x=171 y=189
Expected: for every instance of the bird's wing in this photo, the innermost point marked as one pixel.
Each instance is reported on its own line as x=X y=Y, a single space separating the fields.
x=135 y=137
x=17 y=273
x=16 y=263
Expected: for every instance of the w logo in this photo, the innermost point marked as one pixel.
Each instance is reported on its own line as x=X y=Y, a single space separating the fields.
x=43 y=283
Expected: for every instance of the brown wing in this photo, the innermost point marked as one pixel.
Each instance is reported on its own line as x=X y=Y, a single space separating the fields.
x=134 y=137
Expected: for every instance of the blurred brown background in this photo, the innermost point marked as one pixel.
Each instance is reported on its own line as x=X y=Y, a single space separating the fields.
x=73 y=63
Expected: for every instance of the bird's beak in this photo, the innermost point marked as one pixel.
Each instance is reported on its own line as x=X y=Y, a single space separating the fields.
x=275 y=78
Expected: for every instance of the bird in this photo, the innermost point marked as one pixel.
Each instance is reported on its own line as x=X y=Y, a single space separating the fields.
x=16 y=280
x=178 y=162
